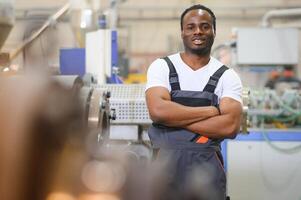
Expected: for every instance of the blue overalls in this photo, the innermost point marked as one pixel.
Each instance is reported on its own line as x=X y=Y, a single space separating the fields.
x=194 y=163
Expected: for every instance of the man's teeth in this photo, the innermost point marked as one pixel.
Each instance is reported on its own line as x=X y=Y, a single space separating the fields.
x=197 y=41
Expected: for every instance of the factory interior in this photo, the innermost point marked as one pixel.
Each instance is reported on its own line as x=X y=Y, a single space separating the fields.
x=74 y=119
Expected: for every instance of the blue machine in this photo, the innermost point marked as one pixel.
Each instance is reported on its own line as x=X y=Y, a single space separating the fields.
x=73 y=61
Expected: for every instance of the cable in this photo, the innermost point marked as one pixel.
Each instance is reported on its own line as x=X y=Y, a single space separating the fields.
x=284 y=119
x=292 y=150
x=286 y=180
x=285 y=106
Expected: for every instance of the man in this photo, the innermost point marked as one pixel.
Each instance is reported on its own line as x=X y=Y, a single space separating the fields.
x=195 y=103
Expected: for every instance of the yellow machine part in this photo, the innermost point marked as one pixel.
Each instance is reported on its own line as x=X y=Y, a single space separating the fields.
x=135 y=78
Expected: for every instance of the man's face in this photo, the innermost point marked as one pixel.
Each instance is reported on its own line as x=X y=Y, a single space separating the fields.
x=198 y=33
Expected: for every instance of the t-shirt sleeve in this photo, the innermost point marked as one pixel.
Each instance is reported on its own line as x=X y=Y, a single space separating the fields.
x=232 y=86
x=157 y=75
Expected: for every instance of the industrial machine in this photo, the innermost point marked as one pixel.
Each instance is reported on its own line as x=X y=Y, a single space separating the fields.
x=96 y=106
x=272 y=110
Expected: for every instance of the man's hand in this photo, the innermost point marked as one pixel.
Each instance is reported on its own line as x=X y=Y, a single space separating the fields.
x=163 y=111
x=225 y=125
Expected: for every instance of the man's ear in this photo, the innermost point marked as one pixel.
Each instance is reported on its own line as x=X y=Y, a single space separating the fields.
x=182 y=34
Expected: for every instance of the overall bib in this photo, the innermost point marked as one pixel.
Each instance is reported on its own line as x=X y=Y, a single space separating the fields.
x=194 y=165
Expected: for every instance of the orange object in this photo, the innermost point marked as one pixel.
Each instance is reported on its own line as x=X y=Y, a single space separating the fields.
x=274 y=75
x=202 y=140
x=288 y=73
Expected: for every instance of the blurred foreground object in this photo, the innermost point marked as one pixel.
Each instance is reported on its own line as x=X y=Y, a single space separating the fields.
x=41 y=138
x=54 y=144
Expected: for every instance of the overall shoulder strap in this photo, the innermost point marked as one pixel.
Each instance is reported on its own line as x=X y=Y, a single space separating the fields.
x=212 y=83
x=173 y=76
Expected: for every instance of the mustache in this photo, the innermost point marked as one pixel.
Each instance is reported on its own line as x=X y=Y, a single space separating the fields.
x=200 y=38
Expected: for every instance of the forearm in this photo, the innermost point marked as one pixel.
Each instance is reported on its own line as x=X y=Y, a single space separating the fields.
x=175 y=115
x=225 y=125
x=222 y=126
x=164 y=111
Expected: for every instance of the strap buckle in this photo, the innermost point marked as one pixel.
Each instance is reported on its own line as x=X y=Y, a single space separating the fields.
x=173 y=78
x=213 y=81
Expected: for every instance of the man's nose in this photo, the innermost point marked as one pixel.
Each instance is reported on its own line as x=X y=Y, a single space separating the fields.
x=198 y=30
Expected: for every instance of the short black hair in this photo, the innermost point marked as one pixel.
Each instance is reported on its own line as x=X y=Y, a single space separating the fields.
x=201 y=7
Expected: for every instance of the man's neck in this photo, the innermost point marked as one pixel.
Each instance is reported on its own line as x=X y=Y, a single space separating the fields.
x=194 y=61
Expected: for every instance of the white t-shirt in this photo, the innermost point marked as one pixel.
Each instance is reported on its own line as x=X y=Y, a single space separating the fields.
x=229 y=85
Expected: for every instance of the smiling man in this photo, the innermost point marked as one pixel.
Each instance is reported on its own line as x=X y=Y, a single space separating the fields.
x=195 y=103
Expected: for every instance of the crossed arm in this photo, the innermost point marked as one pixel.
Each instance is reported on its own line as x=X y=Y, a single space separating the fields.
x=164 y=111
x=203 y=120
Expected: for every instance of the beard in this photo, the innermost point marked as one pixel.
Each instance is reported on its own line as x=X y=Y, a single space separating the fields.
x=202 y=50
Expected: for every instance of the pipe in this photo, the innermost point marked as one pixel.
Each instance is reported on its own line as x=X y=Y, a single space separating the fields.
x=265 y=22
x=35 y=35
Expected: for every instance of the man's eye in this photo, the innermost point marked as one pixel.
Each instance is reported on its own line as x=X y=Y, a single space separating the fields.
x=206 y=27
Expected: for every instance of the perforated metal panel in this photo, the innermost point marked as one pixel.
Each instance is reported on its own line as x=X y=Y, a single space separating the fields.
x=129 y=103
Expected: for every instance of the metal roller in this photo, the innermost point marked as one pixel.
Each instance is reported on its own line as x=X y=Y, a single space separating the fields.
x=74 y=82
x=99 y=113
x=95 y=102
